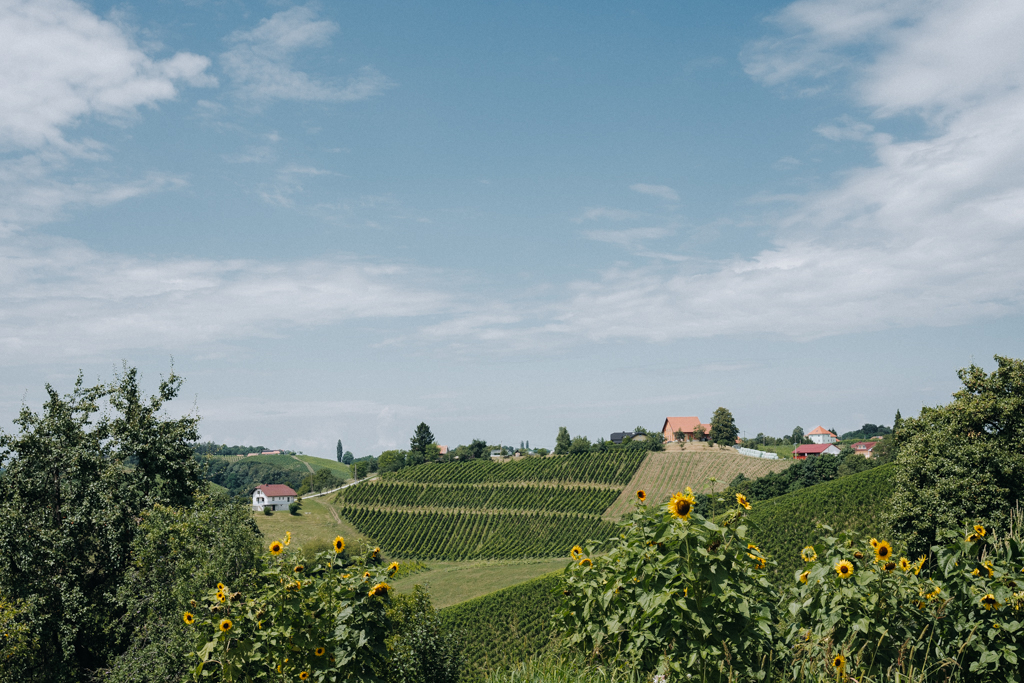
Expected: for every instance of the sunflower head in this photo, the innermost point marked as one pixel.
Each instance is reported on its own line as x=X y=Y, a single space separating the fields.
x=874 y=543
x=299 y=569
x=681 y=505
x=392 y=568
x=919 y=564
x=303 y=675
x=988 y=601
x=741 y=500
x=366 y=575
x=883 y=551
x=585 y=562
x=844 y=568
x=576 y=553
x=221 y=587
x=859 y=555
x=972 y=538
x=804 y=575
x=287 y=538
x=889 y=566
x=189 y=618
x=319 y=652
x=839 y=663
x=641 y=495
x=980 y=530
x=221 y=597
x=905 y=564
x=276 y=548
x=225 y=625
x=808 y=554
x=339 y=544
x=375 y=554
x=380 y=589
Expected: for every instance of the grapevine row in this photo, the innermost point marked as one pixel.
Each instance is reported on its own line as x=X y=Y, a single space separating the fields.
x=461 y=536
x=497 y=497
x=616 y=467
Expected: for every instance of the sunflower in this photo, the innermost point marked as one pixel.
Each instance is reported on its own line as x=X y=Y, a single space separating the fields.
x=934 y=593
x=585 y=562
x=889 y=566
x=883 y=551
x=299 y=569
x=221 y=587
x=988 y=601
x=319 y=652
x=225 y=625
x=980 y=530
x=576 y=553
x=681 y=505
x=839 y=663
x=741 y=500
x=375 y=554
x=366 y=575
x=919 y=564
x=641 y=495
x=844 y=568
x=804 y=575
x=972 y=538
x=303 y=675
x=287 y=538
x=874 y=543
x=987 y=566
x=808 y=554
x=392 y=568
x=189 y=619
x=859 y=555
x=339 y=544
x=380 y=589
x=276 y=548
x=905 y=564
x=221 y=597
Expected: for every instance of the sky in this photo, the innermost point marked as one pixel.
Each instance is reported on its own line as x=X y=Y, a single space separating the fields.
x=337 y=220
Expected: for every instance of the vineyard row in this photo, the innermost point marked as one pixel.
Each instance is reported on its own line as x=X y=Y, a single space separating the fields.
x=497 y=497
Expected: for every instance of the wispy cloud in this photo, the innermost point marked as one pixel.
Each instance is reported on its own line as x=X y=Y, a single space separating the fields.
x=627 y=237
x=260 y=61
x=604 y=213
x=663 y=191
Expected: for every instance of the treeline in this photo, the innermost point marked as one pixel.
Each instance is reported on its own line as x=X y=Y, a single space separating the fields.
x=241 y=476
x=211 y=448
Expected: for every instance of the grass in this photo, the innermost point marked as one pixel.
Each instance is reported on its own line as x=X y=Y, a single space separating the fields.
x=301 y=463
x=314 y=524
x=666 y=472
x=450 y=583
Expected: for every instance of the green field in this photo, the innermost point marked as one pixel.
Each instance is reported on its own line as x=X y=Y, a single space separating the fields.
x=302 y=463
x=317 y=522
x=450 y=583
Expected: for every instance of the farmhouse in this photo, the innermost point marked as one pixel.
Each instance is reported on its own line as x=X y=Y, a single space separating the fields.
x=801 y=452
x=822 y=435
x=865 y=448
x=686 y=425
x=273 y=496
x=619 y=437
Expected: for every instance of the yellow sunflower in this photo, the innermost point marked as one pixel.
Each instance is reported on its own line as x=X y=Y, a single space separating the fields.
x=366 y=575
x=905 y=564
x=808 y=554
x=741 y=500
x=221 y=587
x=883 y=551
x=874 y=543
x=339 y=544
x=641 y=495
x=987 y=566
x=376 y=553
x=299 y=569
x=576 y=553
x=980 y=530
x=585 y=562
x=189 y=619
x=934 y=593
x=392 y=568
x=303 y=675
x=889 y=566
x=803 y=576
x=972 y=538
x=221 y=597
x=844 y=568
x=988 y=601
x=225 y=625
x=839 y=663
x=919 y=564
x=287 y=538
x=276 y=548
x=681 y=505
x=380 y=589
x=319 y=652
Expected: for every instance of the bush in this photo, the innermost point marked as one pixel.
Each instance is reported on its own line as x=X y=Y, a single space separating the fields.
x=295 y=506
x=268 y=511
x=421 y=649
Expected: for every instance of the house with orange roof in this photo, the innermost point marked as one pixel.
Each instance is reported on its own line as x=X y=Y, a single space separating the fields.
x=686 y=425
x=821 y=435
x=273 y=496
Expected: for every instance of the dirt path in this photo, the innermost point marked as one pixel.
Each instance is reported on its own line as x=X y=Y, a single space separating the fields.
x=304 y=463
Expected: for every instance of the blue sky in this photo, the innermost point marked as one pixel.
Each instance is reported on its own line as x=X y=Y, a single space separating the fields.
x=342 y=219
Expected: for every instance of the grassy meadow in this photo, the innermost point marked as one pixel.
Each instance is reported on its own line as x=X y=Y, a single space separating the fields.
x=450 y=583
x=317 y=522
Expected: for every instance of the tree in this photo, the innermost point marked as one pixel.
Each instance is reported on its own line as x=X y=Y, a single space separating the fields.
x=563 y=441
x=340 y=450
x=432 y=452
x=798 y=435
x=723 y=427
x=699 y=432
x=77 y=479
x=580 y=444
x=348 y=458
x=359 y=469
x=421 y=439
x=962 y=463
x=391 y=461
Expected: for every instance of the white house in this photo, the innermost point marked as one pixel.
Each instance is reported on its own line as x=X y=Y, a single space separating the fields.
x=273 y=496
x=822 y=435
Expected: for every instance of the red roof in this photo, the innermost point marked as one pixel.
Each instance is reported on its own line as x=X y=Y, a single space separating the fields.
x=813 y=448
x=681 y=424
x=864 y=445
x=820 y=430
x=276 y=490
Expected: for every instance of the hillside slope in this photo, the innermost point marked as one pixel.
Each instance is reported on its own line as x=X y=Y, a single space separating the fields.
x=782 y=526
x=665 y=473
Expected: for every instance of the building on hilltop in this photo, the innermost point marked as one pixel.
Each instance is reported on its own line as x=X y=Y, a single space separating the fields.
x=273 y=496
x=822 y=435
x=801 y=452
x=865 y=448
x=619 y=437
x=686 y=425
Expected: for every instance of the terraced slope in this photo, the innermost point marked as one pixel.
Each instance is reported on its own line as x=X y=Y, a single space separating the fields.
x=529 y=508
x=667 y=472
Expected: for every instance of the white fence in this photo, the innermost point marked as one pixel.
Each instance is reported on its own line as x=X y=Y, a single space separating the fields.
x=758 y=454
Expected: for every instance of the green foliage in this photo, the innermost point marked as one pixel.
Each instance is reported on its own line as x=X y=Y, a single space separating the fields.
x=673 y=595
x=321 y=480
x=76 y=481
x=866 y=432
x=583 y=499
x=964 y=459
x=240 y=477
x=579 y=444
x=459 y=535
x=16 y=639
x=562 y=442
x=339 y=451
x=507 y=626
x=801 y=474
x=782 y=526
x=360 y=469
x=295 y=506
x=211 y=448
x=325 y=617
x=723 y=428
x=422 y=438
x=422 y=649
x=347 y=458
x=391 y=461
x=614 y=467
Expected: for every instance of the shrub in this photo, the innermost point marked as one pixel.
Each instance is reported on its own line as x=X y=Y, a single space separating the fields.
x=295 y=506
x=268 y=511
x=421 y=649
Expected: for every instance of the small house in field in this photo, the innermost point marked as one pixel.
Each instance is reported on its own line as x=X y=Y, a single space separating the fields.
x=686 y=425
x=822 y=435
x=273 y=496
x=865 y=448
x=801 y=452
x=619 y=437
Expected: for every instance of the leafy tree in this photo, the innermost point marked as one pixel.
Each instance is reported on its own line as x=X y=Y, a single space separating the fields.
x=421 y=439
x=478 y=448
x=422 y=649
x=579 y=444
x=563 y=441
x=360 y=468
x=348 y=458
x=723 y=427
x=340 y=450
x=76 y=481
x=391 y=461
x=700 y=432
x=798 y=434
x=963 y=461
x=432 y=453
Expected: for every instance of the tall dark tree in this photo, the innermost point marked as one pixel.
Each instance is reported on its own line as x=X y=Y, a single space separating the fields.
x=421 y=439
x=723 y=428
x=340 y=450
x=798 y=435
x=563 y=441
x=77 y=479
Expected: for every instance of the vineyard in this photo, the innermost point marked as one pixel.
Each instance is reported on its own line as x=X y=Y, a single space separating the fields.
x=470 y=535
x=665 y=473
x=584 y=499
x=616 y=467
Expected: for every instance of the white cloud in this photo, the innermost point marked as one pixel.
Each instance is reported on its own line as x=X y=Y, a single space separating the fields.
x=663 y=191
x=62 y=63
x=260 y=61
x=627 y=237
x=602 y=213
